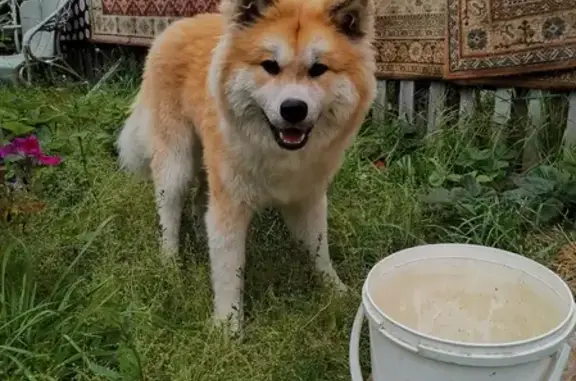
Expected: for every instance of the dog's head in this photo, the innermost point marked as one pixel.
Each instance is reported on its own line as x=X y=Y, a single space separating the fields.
x=299 y=69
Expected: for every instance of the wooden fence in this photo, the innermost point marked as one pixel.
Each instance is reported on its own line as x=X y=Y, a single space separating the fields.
x=404 y=99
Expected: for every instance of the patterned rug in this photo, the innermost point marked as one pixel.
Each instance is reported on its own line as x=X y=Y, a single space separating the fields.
x=136 y=22
x=410 y=34
x=410 y=37
x=488 y=38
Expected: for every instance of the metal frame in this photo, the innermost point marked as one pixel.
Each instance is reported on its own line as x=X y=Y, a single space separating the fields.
x=11 y=21
x=55 y=22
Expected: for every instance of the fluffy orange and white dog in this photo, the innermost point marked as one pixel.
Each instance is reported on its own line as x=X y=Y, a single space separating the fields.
x=258 y=103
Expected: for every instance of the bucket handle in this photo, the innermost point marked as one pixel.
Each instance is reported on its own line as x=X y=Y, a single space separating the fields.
x=354 y=355
x=560 y=361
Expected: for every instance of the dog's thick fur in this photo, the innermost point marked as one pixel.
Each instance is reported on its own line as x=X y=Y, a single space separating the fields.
x=209 y=110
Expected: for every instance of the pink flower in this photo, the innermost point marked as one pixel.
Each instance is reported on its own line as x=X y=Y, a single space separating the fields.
x=48 y=160
x=28 y=146
x=7 y=150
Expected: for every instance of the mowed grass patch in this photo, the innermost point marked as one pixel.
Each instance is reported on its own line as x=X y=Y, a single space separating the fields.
x=84 y=295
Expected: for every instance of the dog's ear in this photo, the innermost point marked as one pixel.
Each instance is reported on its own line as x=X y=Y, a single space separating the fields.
x=243 y=13
x=353 y=18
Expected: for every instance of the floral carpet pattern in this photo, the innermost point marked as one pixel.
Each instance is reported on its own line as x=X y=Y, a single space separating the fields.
x=488 y=38
x=137 y=22
x=525 y=43
x=410 y=37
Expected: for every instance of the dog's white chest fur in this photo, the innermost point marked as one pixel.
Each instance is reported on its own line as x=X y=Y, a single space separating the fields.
x=263 y=179
x=261 y=174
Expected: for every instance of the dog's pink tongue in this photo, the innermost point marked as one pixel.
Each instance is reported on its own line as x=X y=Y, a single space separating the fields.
x=292 y=136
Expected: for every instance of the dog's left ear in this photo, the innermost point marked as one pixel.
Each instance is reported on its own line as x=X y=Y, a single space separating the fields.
x=353 y=18
x=243 y=13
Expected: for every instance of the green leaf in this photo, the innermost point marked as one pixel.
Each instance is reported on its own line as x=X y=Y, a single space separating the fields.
x=436 y=179
x=570 y=189
x=469 y=208
x=518 y=195
x=460 y=193
x=547 y=171
x=7 y=114
x=102 y=371
x=14 y=158
x=454 y=177
x=49 y=114
x=471 y=185
x=482 y=179
x=479 y=155
x=80 y=135
x=550 y=209
x=501 y=164
x=439 y=196
x=17 y=128
x=535 y=184
x=464 y=160
x=102 y=136
x=439 y=167
x=128 y=363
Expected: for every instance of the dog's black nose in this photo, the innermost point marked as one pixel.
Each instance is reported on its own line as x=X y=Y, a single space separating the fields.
x=293 y=110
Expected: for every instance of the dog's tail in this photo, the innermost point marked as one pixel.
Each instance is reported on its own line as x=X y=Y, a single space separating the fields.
x=134 y=141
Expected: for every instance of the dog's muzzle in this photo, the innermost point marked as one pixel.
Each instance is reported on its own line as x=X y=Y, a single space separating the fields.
x=294 y=132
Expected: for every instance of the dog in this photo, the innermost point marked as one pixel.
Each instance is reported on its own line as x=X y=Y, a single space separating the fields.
x=258 y=104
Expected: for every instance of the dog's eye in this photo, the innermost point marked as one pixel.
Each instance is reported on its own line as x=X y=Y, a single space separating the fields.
x=271 y=67
x=317 y=70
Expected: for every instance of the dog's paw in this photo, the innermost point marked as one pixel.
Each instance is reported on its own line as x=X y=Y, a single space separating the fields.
x=340 y=287
x=336 y=284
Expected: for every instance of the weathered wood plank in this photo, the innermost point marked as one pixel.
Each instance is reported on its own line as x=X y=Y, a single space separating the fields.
x=502 y=112
x=570 y=132
x=406 y=101
x=467 y=102
x=380 y=107
x=436 y=105
x=531 y=151
x=502 y=106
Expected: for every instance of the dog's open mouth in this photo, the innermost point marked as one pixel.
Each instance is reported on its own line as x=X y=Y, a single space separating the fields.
x=290 y=138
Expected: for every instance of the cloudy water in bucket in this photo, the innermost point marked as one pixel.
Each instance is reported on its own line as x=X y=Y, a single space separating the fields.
x=467 y=300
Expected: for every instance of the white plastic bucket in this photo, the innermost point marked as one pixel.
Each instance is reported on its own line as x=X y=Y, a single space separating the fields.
x=401 y=353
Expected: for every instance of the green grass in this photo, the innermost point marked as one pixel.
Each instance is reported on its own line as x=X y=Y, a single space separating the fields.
x=84 y=296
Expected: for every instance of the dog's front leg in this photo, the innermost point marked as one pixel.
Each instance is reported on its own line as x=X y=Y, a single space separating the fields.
x=307 y=221
x=226 y=224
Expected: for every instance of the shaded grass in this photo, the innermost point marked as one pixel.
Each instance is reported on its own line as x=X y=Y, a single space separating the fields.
x=84 y=296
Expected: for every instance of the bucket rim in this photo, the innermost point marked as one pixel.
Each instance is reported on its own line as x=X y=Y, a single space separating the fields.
x=570 y=318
